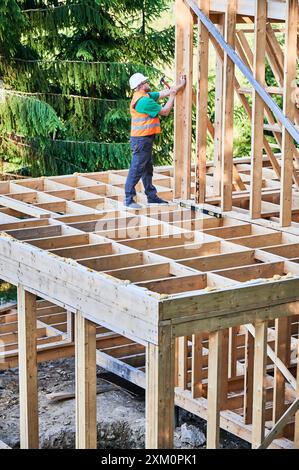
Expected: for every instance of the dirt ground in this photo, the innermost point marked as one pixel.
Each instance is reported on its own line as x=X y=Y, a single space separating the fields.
x=120 y=413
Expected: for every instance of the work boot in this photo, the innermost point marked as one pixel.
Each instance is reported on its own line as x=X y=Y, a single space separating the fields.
x=157 y=200
x=133 y=205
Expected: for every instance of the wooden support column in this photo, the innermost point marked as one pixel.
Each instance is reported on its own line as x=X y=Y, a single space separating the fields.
x=70 y=322
x=259 y=384
x=281 y=351
x=257 y=136
x=202 y=105
x=160 y=391
x=290 y=58
x=218 y=116
x=182 y=345
x=214 y=389
x=196 y=378
x=183 y=104
x=228 y=110
x=248 y=377
x=86 y=383
x=232 y=351
x=27 y=341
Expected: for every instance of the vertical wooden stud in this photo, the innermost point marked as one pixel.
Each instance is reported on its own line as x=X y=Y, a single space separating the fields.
x=86 y=383
x=160 y=391
x=27 y=341
x=259 y=385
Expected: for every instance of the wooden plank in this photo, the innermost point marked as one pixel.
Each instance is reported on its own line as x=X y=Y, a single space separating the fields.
x=228 y=108
x=160 y=369
x=218 y=116
x=232 y=357
x=182 y=361
x=202 y=105
x=281 y=346
x=121 y=369
x=23 y=208
x=196 y=367
x=248 y=378
x=288 y=109
x=259 y=384
x=86 y=383
x=258 y=110
x=183 y=105
x=277 y=429
x=214 y=389
x=29 y=431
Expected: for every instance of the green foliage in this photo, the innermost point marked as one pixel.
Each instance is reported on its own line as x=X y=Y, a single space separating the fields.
x=76 y=58
x=71 y=77
x=28 y=116
x=242 y=132
x=12 y=23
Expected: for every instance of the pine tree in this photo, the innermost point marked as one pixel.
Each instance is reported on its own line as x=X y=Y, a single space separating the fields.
x=72 y=68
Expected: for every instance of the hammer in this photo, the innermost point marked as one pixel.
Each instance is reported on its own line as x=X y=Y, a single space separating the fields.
x=164 y=82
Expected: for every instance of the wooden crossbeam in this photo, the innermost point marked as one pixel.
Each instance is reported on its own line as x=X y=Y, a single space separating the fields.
x=281 y=423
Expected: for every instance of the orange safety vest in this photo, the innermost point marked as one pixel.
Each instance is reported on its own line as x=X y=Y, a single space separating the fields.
x=143 y=124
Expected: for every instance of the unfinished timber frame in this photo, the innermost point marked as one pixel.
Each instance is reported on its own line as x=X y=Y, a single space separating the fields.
x=201 y=311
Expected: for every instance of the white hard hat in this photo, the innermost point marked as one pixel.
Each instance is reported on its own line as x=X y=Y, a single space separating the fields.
x=136 y=80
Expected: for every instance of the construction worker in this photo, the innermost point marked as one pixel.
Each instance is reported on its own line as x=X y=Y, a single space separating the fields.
x=145 y=113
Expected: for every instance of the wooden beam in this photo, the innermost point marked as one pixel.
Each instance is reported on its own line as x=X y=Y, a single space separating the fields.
x=183 y=104
x=214 y=389
x=218 y=116
x=86 y=383
x=196 y=368
x=290 y=58
x=202 y=105
x=248 y=377
x=258 y=110
x=29 y=433
x=228 y=111
x=277 y=429
x=281 y=346
x=160 y=370
x=259 y=384
x=182 y=345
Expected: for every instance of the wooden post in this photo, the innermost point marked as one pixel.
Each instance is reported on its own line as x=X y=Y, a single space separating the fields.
x=86 y=383
x=257 y=135
x=228 y=111
x=183 y=104
x=196 y=377
x=281 y=347
x=232 y=351
x=214 y=389
x=248 y=377
x=202 y=105
x=27 y=339
x=218 y=116
x=259 y=385
x=160 y=391
x=182 y=361
x=224 y=368
x=290 y=57
x=70 y=322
